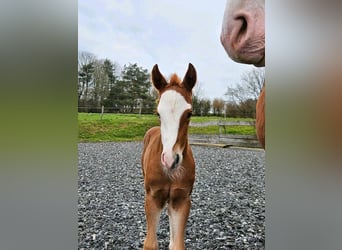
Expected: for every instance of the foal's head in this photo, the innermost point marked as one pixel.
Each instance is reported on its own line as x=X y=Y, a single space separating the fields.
x=174 y=111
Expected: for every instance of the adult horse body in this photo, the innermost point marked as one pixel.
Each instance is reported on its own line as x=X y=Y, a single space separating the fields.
x=167 y=162
x=243 y=38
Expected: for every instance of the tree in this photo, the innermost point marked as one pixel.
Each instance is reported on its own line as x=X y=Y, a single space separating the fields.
x=196 y=106
x=241 y=98
x=111 y=70
x=200 y=105
x=150 y=105
x=254 y=81
x=101 y=83
x=85 y=58
x=85 y=75
x=247 y=108
x=115 y=86
x=218 y=106
x=232 y=110
x=132 y=91
x=117 y=96
x=205 y=106
x=248 y=88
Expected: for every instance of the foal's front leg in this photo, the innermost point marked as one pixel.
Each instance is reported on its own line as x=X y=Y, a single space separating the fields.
x=154 y=203
x=178 y=210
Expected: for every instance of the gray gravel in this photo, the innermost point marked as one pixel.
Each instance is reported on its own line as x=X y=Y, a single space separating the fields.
x=228 y=199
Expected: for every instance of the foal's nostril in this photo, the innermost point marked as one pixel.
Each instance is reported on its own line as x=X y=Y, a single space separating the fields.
x=176 y=162
x=177 y=159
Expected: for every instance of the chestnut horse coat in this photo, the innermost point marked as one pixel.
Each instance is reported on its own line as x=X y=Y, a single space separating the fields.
x=260 y=118
x=182 y=177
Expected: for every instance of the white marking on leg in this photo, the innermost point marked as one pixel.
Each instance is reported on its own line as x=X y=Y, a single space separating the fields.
x=174 y=225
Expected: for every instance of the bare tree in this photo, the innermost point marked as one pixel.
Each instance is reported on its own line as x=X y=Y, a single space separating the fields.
x=101 y=83
x=85 y=58
x=85 y=70
x=248 y=88
x=200 y=105
x=254 y=81
x=218 y=106
x=198 y=90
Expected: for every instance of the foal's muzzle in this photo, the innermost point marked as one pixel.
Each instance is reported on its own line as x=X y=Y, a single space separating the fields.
x=171 y=160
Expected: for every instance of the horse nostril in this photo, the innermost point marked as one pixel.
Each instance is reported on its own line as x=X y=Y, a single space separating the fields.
x=177 y=159
x=243 y=27
x=176 y=162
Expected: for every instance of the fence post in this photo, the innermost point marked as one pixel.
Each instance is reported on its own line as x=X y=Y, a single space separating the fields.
x=102 y=111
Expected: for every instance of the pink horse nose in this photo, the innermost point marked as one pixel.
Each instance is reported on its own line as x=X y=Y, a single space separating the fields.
x=169 y=161
x=163 y=160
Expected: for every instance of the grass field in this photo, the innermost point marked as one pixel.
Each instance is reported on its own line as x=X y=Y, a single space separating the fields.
x=132 y=127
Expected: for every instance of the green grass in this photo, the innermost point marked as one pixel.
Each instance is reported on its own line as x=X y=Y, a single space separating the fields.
x=132 y=127
x=209 y=130
x=114 y=127
x=234 y=130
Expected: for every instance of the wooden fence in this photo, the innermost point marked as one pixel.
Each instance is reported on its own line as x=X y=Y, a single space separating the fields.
x=221 y=138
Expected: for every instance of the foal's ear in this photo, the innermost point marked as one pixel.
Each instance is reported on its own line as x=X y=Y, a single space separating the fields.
x=190 y=77
x=158 y=79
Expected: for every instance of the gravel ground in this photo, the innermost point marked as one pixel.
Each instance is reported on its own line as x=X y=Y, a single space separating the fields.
x=228 y=199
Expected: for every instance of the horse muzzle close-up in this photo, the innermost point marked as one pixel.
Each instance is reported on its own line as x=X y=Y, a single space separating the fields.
x=243 y=31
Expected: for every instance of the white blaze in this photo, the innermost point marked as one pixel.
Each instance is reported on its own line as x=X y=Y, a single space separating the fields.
x=171 y=107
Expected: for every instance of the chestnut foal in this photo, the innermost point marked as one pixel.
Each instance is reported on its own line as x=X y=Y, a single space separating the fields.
x=167 y=162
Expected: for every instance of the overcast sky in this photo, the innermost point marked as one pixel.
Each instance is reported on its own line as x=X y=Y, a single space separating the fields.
x=170 y=33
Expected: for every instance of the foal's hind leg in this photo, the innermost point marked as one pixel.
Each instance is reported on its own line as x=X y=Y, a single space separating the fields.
x=154 y=203
x=178 y=210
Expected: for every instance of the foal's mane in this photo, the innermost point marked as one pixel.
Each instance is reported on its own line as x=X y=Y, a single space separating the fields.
x=174 y=80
